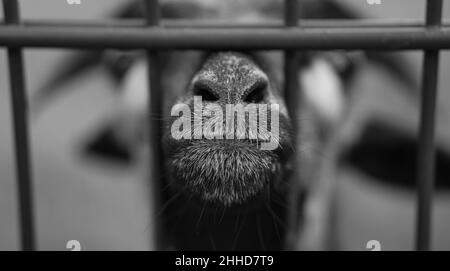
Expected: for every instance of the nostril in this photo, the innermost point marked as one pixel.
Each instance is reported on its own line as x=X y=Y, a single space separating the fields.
x=256 y=93
x=205 y=91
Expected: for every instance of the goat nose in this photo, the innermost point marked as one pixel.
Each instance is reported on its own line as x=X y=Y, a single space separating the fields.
x=206 y=89
x=231 y=80
x=257 y=92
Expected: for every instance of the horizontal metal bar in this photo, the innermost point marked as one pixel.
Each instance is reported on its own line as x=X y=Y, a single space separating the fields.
x=221 y=38
x=208 y=23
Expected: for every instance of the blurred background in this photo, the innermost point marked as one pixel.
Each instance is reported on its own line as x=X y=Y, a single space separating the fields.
x=106 y=207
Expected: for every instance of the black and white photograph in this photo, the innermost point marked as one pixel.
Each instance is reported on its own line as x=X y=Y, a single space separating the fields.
x=239 y=126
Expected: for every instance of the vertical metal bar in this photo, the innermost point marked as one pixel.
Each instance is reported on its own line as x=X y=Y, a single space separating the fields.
x=20 y=120
x=426 y=148
x=291 y=94
x=155 y=112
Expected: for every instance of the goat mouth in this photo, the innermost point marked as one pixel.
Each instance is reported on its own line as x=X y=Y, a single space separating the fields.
x=225 y=173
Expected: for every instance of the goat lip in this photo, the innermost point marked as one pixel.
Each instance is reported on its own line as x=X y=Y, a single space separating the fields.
x=226 y=173
x=225 y=144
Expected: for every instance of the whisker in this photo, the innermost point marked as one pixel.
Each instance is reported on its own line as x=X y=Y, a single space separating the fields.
x=236 y=237
x=258 y=226
x=200 y=216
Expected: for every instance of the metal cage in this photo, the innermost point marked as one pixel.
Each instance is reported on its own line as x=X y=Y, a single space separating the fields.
x=291 y=35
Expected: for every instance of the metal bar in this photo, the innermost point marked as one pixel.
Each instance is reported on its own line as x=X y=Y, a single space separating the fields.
x=220 y=38
x=426 y=148
x=208 y=23
x=20 y=120
x=291 y=95
x=155 y=112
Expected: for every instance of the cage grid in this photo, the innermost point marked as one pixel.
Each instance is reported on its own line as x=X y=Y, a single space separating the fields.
x=292 y=34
